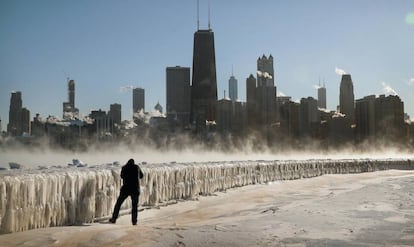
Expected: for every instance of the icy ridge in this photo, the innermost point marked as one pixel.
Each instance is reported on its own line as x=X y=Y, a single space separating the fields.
x=65 y=197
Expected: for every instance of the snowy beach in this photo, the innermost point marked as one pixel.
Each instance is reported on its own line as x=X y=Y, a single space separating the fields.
x=366 y=209
x=59 y=197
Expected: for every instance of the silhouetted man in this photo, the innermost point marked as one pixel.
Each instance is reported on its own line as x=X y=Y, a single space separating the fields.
x=130 y=174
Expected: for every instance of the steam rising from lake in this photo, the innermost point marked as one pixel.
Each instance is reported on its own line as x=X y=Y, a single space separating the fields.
x=32 y=159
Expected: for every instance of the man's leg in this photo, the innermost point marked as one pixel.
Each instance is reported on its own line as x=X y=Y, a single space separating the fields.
x=134 y=213
x=121 y=198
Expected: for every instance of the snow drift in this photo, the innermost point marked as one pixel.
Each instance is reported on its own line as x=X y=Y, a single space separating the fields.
x=58 y=197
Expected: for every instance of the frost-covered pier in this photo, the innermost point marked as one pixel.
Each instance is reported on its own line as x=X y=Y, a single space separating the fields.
x=58 y=197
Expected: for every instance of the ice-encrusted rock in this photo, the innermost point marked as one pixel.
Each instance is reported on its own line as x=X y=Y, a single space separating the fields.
x=14 y=165
x=72 y=196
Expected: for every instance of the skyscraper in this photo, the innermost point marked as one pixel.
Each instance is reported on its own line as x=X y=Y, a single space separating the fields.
x=178 y=94
x=251 y=100
x=25 y=121
x=204 y=82
x=379 y=116
x=365 y=117
x=233 y=88
x=346 y=98
x=265 y=71
x=138 y=99
x=14 y=127
x=19 y=117
x=224 y=114
x=322 y=97
x=308 y=114
x=265 y=91
x=389 y=116
x=71 y=91
x=115 y=113
x=69 y=109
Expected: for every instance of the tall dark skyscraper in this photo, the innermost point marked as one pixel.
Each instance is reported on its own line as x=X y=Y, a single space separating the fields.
x=251 y=100
x=365 y=117
x=178 y=94
x=69 y=109
x=308 y=114
x=265 y=71
x=204 y=83
x=71 y=91
x=19 y=117
x=138 y=99
x=266 y=91
x=115 y=111
x=346 y=98
x=322 y=97
x=379 y=116
x=14 y=126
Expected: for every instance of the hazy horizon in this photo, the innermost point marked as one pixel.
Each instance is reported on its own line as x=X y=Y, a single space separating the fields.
x=33 y=157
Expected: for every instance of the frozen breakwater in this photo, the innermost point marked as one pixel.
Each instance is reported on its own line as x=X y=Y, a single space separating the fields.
x=58 y=197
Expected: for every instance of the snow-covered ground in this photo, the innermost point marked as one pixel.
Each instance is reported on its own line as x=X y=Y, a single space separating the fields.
x=366 y=209
x=56 y=197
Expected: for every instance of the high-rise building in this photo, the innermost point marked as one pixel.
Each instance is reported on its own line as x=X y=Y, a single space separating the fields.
x=224 y=114
x=309 y=114
x=251 y=100
x=37 y=126
x=69 y=109
x=138 y=99
x=240 y=117
x=178 y=94
x=233 y=88
x=265 y=92
x=346 y=98
x=103 y=123
x=14 y=127
x=204 y=81
x=25 y=121
x=115 y=111
x=19 y=117
x=322 y=97
x=265 y=71
x=379 y=116
x=71 y=91
x=290 y=118
x=389 y=116
x=365 y=117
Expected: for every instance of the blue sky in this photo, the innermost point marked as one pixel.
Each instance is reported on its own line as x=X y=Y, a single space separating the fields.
x=104 y=45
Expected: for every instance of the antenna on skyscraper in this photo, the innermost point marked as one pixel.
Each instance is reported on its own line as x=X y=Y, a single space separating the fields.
x=198 y=15
x=66 y=75
x=232 y=70
x=209 y=15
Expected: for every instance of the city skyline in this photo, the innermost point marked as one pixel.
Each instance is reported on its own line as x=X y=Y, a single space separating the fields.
x=105 y=46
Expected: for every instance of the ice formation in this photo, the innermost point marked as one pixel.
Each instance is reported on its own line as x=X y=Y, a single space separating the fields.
x=81 y=195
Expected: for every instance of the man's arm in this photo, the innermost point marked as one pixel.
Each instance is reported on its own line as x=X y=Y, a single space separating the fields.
x=123 y=173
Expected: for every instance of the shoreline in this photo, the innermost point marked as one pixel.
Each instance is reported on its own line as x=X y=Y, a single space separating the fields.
x=78 y=196
x=366 y=209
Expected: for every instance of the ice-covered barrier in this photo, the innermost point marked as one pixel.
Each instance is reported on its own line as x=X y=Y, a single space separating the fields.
x=74 y=196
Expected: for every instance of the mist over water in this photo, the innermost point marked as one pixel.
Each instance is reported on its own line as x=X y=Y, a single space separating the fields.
x=47 y=157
